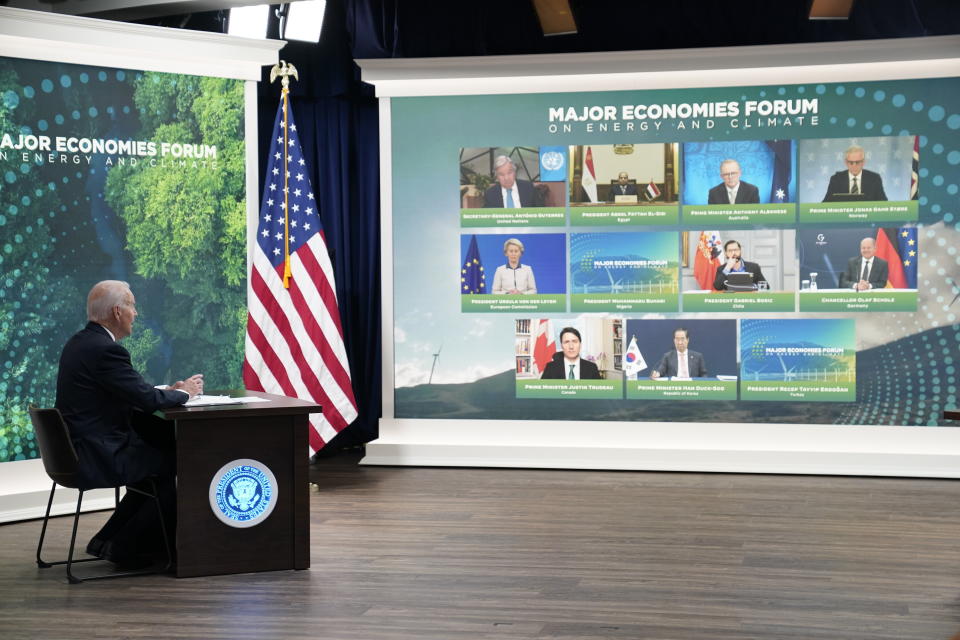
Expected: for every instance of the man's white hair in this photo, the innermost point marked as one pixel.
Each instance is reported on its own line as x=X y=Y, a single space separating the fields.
x=104 y=296
x=502 y=160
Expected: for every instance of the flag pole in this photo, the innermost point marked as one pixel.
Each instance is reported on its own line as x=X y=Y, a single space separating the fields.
x=284 y=70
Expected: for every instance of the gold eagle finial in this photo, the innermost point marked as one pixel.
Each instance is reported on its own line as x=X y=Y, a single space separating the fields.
x=284 y=70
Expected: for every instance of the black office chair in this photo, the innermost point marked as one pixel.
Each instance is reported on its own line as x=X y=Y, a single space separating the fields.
x=62 y=465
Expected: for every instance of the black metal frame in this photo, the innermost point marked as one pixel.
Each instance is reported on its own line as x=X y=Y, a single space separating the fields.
x=73 y=579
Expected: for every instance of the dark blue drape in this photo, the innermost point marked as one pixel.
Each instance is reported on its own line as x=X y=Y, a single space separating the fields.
x=338 y=127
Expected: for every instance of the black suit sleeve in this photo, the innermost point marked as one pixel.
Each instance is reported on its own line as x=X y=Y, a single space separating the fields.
x=118 y=376
x=717 y=195
x=588 y=370
x=850 y=277
x=879 y=274
x=757 y=273
x=719 y=281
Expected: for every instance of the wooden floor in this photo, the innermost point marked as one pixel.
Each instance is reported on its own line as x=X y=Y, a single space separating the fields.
x=419 y=553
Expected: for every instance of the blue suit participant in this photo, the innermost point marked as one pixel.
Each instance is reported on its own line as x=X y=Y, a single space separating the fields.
x=107 y=406
x=680 y=362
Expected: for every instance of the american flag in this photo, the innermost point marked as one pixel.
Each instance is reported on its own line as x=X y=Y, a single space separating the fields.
x=294 y=341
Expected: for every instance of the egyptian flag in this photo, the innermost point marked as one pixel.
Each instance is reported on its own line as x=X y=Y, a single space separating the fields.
x=589 y=179
x=888 y=248
x=652 y=190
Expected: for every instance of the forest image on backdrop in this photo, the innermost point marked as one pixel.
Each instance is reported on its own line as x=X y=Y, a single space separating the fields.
x=172 y=226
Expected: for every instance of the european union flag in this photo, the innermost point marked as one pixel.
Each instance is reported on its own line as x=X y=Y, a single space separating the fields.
x=782 y=170
x=472 y=277
x=909 y=254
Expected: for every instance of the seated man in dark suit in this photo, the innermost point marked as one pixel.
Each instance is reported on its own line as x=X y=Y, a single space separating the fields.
x=107 y=405
x=855 y=182
x=865 y=271
x=735 y=263
x=567 y=364
x=509 y=192
x=622 y=187
x=733 y=190
x=681 y=361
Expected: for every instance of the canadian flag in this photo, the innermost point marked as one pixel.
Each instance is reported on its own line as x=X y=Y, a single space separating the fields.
x=544 y=346
x=589 y=179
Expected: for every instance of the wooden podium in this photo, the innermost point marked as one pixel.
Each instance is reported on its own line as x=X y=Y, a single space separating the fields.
x=274 y=435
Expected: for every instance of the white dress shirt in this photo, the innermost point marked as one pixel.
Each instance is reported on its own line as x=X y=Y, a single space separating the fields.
x=732 y=194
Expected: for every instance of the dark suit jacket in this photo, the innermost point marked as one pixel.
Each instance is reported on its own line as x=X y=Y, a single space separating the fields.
x=752 y=267
x=629 y=189
x=877 y=278
x=556 y=369
x=668 y=365
x=746 y=194
x=529 y=197
x=871 y=186
x=97 y=391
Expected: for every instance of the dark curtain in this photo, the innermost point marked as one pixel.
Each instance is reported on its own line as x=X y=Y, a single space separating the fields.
x=337 y=122
x=423 y=28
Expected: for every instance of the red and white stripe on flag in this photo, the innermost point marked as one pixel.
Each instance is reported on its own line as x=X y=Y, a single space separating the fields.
x=294 y=344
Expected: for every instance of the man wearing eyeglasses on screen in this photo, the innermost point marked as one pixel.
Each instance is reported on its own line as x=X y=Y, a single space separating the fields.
x=733 y=190
x=855 y=183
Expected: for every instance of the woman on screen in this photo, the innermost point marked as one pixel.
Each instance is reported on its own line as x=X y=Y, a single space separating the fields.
x=513 y=277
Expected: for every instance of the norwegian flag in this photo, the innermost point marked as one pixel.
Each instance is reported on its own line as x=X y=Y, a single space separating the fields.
x=294 y=341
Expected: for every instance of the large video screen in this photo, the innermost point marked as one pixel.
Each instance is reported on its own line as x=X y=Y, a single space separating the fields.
x=756 y=254
x=118 y=174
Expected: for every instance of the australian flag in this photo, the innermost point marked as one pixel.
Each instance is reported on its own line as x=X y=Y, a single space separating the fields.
x=472 y=277
x=782 y=169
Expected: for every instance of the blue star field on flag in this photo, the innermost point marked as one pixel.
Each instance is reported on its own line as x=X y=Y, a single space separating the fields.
x=304 y=221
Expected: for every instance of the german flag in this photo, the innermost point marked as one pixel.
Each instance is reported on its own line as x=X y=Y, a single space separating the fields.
x=898 y=246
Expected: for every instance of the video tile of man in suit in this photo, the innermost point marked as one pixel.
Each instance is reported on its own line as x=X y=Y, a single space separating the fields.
x=735 y=263
x=733 y=190
x=567 y=364
x=680 y=361
x=865 y=271
x=855 y=183
x=108 y=409
x=509 y=192
x=623 y=186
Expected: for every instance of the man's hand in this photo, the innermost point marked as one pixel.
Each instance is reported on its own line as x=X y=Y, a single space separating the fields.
x=192 y=385
x=654 y=374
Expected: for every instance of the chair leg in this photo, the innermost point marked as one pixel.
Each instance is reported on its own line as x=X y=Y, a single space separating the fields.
x=71 y=578
x=43 y=530
x=163 y=527
x=73 y=541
